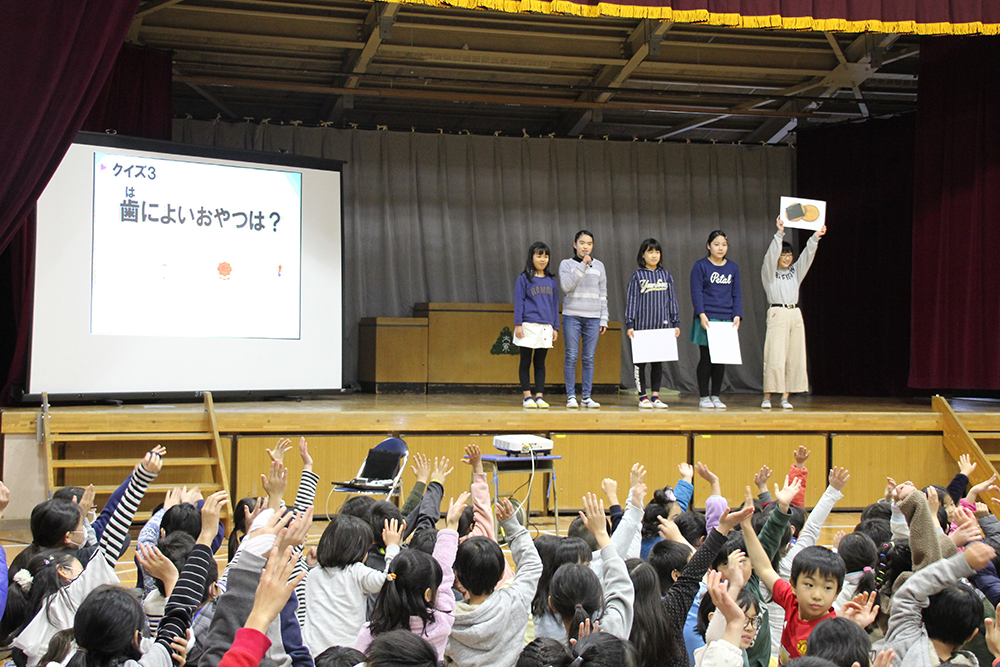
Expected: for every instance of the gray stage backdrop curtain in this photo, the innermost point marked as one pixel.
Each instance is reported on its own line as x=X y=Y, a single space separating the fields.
x=449 y=218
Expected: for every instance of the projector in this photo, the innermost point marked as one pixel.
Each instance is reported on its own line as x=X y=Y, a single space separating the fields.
x=522 y=444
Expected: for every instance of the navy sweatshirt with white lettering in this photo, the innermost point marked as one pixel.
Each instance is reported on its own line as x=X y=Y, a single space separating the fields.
x=650 y=301
x=715 y=290
x=536 y=300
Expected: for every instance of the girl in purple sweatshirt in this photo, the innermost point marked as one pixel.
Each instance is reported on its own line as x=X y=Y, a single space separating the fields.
x=716 y=295
x=536 y=320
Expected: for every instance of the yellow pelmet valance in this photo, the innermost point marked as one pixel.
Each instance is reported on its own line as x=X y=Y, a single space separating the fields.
x=674 y=11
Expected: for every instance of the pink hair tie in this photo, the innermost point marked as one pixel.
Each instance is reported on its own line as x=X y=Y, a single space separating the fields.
x=867 y=569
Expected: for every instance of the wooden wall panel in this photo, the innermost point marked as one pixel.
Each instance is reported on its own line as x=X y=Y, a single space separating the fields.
x=870 y=458
x=590 y=457
x=335 y=458
x=736 y=458
x=393 y=350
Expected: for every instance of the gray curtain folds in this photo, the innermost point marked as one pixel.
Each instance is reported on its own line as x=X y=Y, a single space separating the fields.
x=449 y=218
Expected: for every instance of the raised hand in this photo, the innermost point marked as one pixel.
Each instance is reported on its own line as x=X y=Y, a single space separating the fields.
x=978 y=554
x=421 y=468
x=307 y=461
x=86 y=503
x=890 y=486
x=976 y=489
x=392 y=532
x=710 y=477
x=152 y=462
x=455 y=508
x=965 y=465
x=174 y=497
x=787 y=494
x=278 y=453
x=191 y=495
x=884 y=658
x=638 y=495
x=735 y=562
x=760 y=479
x=210 y=512
x=249 y=515
x=474 y=458
x=298 y=529
x=800 y=455
x=158 y=565
x=610 y=488
x=594 y=519
x=275 y=524
x=686 y=471
x=730 y=519
x=637 y=474
x=993 y=635
x=441 y=470
x=275 y=587
x=837 y=537
x=862 y=609
x=505 y=509
x=5 y=497
x=839 y=477
x=669 y=531
x=967 y=528
x=586 y=630
x=275 y=483
x=982 y=509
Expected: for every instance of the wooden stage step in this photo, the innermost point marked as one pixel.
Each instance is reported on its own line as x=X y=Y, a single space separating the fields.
x=103 y=437
x=119 y=463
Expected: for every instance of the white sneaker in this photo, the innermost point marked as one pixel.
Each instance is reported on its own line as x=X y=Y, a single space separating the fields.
x=644 y=404
x=590 y=403
x=657 y=403
x=785 y=404
x=571 y=404
x=766 y=404
x=719 y=405
x=530 y=403
x=540 y=403
x=706 y=402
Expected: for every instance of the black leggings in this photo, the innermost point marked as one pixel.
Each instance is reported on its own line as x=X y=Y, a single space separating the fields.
x=539 y=369
x=656 y=374
x=707 y=370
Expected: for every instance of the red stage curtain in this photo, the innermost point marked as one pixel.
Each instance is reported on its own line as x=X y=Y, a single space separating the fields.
x=856 y=297
x=137 y=99
x=54 y=59
x=956 y=222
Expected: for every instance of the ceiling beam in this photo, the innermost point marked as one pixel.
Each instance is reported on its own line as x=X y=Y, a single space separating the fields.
x=217 y=103
x=148 y=8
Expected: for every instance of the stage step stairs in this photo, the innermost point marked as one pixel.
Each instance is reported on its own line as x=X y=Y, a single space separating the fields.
x=194 y=458
x=983 y=448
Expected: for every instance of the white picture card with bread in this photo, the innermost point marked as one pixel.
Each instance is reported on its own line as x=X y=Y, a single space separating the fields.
x=803 y=213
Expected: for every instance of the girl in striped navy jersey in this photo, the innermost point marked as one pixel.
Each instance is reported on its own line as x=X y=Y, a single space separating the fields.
x=651 y=304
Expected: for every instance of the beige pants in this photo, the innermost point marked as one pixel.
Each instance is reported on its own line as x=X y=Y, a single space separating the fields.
x=785 y=352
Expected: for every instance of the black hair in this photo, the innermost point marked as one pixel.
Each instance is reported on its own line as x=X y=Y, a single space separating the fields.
x=877 y=529
x=667 y=556
x=378 y=514
x=182 y=516
x=402 y=595
x=894 y=558
x=809 y=661
x=953 y=614
x=786 y=247
x=582 y=232
x=744 y=599
x=575 y=594
x=758 y=521
x=105 y=628
x=881 y=511
x=537 y=248
x=59 y=647
x=652 y=628
x=69 y=493
x=571 y=550
x=546 y=546
x=340 y=656
x=578 y=531
x=357 y=506
x=23 y=606
x=602 y=649
x=50 y=521
x=465 y=521
x=345 y=541
x=649 y=244
x=240 y=526
x=401 y=648
x=479 y=564
x=840 y=641
x=860 y=554
x=544 y=652
x=714 y=234
x=734 y=542
x=692 y=525
x=175 y=547
x=424 y=539
x=659 y=506
x=818 y=560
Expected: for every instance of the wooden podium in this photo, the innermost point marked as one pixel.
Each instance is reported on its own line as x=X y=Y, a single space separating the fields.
x=466 y=347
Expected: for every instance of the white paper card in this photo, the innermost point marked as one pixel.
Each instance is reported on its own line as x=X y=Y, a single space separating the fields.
x=803 y=213
x=724 y=343
x=654 y=345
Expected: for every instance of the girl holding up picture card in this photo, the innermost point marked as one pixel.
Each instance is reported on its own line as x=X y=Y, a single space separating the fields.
x=715 y=293
x=785 y=343
x=651 y=304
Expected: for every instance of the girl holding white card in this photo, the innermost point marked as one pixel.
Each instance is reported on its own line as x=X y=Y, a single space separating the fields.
x=785 y=344
x=651 y=303
x=716 y=295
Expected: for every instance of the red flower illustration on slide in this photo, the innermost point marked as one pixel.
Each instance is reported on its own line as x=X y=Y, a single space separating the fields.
x=224 y=270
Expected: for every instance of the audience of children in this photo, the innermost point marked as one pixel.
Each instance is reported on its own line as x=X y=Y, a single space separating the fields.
x=656 y=585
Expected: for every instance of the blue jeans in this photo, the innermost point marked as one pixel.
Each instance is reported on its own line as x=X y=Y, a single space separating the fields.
x=573 y=329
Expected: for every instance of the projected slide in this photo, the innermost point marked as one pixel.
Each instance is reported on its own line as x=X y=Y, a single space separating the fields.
x=185 y=249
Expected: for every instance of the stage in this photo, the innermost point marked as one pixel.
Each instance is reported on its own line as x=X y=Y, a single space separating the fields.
x=873 y=438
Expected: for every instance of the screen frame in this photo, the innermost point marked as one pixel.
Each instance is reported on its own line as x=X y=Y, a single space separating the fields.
x=114 y=141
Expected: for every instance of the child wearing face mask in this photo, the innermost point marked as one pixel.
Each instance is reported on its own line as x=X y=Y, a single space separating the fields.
x=785 y=343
